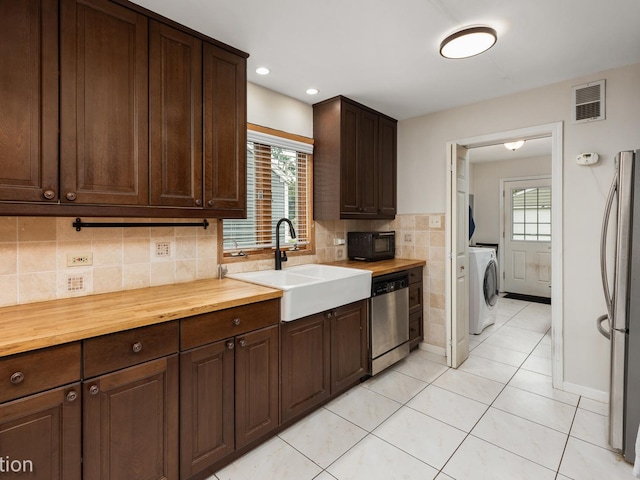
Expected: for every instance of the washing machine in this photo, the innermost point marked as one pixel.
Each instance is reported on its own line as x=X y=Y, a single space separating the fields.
x=483 y=288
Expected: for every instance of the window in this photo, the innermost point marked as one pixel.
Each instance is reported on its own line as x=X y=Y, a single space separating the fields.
x=531 y=214
x=278 y=186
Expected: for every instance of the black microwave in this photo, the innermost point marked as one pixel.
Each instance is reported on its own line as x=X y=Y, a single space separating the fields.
x=371 y=246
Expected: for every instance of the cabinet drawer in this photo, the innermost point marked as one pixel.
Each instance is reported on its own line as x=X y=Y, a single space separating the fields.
x=211 y=327
x=39 y=370
x=415 y=325
x=123 y=349
x=415 y=295
x=415 y=275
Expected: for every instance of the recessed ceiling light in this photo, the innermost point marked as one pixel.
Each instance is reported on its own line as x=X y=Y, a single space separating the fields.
x=514 y=145
x=262 y=71
x=312 y=91
x=468 y=42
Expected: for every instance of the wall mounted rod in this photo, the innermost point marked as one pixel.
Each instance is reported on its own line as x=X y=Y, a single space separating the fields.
x=79 y=224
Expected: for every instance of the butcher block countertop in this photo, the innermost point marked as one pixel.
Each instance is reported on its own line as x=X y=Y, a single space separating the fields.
x=45 y=324
x=382 y=267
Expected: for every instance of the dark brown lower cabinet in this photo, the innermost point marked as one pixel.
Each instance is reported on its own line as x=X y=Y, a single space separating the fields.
x=130 y=423
x=229 y=397
x=207 y=432
x=40 y=435
x=306 y=364
x=348 y=346
x=322 y=355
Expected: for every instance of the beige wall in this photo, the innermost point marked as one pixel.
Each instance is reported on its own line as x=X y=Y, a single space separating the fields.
x=422 y=159
x=485 y=186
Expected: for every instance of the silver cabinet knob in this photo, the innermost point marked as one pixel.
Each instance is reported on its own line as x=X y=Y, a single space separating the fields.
x=236 y=321
x=71 y=196
x=230 y=345
x=210 y=203
x=243 y=343
x=17 y=378
x=94 y=389
x=137 y=347
x=49 y=194
x=71 y=396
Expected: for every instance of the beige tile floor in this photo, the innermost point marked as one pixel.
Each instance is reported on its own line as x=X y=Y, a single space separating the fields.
x=496 y=417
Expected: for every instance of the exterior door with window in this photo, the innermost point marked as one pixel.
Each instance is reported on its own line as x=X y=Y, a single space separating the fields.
x=527 y=237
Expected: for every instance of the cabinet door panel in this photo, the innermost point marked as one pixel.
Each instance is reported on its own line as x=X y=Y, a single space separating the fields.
x=256 y=384
x=387 y=166
x=175 y=117
x=349 y=181
x=104 y=104
x=43 y=432
x=130 y=423
x=367 y=175
x=225 y=129
x=305 y=364
x=348 y=346
x=206 y=406
x=29 y=93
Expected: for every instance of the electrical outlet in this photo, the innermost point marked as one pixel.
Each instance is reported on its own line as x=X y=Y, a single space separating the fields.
x=434 y=221
x=340 y=253
x=407 y=238
x=79 y=259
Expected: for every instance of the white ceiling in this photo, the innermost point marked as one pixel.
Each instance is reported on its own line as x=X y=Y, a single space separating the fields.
x=384 y=53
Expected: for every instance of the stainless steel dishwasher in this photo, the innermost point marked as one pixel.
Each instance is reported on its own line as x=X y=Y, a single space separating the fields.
x=389 y=321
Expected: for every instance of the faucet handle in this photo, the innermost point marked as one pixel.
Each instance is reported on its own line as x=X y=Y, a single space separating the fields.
x=283 y=257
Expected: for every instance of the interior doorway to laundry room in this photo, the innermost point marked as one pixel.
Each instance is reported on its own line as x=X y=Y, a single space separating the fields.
x=489 y=217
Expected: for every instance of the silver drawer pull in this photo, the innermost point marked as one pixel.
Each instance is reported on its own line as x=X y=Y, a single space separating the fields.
x=137 y=347
x=236 y=321
x=17 y=378
x=71 y=396
x=94 y=390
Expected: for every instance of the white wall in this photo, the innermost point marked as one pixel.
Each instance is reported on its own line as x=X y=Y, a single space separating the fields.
x=485 y=187
x=274 y=110
x=421 y=161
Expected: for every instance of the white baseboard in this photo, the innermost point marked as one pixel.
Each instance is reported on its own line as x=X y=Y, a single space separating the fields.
x=432 y=348
x=583 y=391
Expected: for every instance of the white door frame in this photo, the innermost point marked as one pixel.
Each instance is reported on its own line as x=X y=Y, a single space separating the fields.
x=502 y=240
x=555 y=131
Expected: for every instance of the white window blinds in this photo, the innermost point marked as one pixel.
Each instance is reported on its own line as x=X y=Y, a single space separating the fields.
x=277 y=187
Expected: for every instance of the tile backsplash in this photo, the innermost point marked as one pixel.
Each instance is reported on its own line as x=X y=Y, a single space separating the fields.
x=34 y=253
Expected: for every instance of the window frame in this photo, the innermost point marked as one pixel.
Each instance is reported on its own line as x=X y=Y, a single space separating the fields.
x=268 y=252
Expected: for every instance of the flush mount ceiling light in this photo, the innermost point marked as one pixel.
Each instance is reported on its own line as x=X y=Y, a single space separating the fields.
x=312 y=91
x=468 y=42
x=262 y=71
x=514 y=145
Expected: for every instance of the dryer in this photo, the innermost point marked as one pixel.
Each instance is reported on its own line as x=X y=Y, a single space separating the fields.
x=483 y=288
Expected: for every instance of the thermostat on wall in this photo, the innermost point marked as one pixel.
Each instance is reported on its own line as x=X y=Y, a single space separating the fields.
x=587 y=159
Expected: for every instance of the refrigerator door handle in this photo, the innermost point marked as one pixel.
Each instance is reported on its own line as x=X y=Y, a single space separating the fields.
x=601 y=329
x=603 y=246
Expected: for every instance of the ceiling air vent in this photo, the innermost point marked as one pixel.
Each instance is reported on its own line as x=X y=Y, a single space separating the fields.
x=588 y=102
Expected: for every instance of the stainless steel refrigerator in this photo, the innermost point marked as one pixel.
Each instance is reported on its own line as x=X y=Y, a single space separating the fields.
x=621 y=323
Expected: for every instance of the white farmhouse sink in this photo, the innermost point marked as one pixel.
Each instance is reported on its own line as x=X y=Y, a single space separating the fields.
x=309 y=289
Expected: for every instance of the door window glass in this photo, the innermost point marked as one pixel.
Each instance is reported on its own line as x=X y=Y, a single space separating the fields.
x=531 y=214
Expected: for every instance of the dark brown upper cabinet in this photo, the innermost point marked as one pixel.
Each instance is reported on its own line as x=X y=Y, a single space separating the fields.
x=29 y=99
x=355 y=161
x=129 y=114
x=225 y=130
x=175 y=117
x=104 y=104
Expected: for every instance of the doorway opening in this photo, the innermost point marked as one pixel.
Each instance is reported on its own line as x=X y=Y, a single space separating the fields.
x=457 y=239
